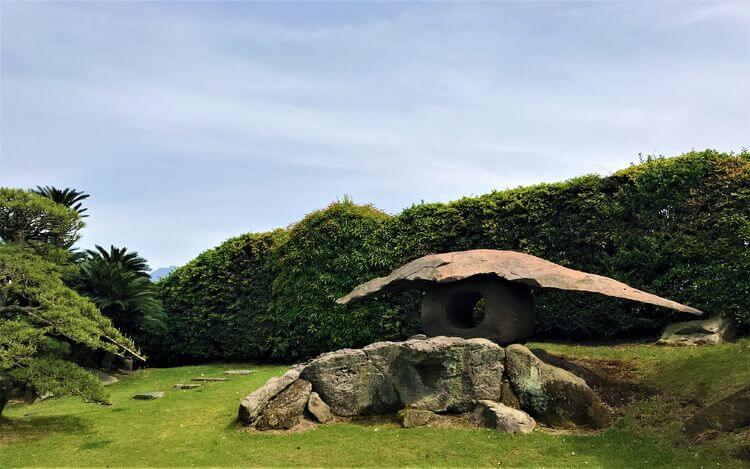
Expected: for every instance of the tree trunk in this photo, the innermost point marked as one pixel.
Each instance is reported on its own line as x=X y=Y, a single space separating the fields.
x=6 y=389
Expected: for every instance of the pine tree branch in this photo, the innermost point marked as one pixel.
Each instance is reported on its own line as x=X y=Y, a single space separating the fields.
x=29 y=310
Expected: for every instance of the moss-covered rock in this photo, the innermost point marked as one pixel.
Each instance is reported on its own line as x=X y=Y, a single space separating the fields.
x=555 y=396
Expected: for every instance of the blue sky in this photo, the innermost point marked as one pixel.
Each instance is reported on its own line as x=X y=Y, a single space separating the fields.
x=191 y=123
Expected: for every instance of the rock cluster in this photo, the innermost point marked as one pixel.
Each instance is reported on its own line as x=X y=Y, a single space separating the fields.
x=420 y=379
x=714 y=330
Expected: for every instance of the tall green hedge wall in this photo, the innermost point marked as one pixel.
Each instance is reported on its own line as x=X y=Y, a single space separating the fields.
x=678 y=227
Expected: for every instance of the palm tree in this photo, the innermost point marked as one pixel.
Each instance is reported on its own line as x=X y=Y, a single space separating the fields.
x=129 y=260
x=69 y=197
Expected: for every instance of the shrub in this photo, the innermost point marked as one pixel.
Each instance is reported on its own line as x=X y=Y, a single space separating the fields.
x=677 y=227
x=327 y=254
x=218 y=303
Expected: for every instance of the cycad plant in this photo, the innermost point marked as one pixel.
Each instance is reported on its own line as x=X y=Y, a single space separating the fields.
x=117 y=282
x=130 y=260
x=71 y=198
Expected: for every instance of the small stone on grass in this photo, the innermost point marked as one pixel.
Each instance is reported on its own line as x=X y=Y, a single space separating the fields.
x=147 y=396
x=239 y=372
x=209 y=380
x=186 y=386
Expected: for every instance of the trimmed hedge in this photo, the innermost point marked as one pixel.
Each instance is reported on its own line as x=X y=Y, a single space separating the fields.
x=216 y=304
x=677 y=227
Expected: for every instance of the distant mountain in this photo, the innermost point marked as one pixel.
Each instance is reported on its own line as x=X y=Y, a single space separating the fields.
x=162 y=272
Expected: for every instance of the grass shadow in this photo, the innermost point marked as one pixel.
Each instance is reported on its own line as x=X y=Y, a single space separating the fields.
x=95 y=444
x=27 y=428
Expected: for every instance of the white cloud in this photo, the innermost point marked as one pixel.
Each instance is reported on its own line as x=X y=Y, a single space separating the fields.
x=191 y=123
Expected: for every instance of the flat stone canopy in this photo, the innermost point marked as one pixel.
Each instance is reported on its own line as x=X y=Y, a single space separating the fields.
x=509 y=265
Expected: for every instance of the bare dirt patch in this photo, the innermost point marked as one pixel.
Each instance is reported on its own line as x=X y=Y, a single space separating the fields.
x=617 y=382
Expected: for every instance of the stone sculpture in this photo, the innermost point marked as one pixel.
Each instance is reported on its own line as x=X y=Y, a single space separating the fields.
x=456 y=282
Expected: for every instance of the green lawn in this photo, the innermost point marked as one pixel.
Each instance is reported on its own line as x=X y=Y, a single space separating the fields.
x=197 y=427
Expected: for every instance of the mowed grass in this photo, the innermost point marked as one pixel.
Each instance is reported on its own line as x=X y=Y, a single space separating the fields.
x=197 y=427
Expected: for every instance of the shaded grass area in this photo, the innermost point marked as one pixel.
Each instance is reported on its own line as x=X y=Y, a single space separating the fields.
x=197 y=427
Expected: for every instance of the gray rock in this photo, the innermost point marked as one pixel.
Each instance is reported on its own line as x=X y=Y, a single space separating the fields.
x=555 y=396
x=105 y=378
x=186 y=386
x=709 y=331
x=727 y=414
x=441 y=374
x=318 y=408
x=426 y=377
x=410 y=417
x=209 y=380
x=507 y=396
x=559 y=362
x=239 y=372
x=500 y=417
x=44 y=396
x=254 y=403
x=417 y=337
x=287 y=408
x=350 y=384
x=147 y=396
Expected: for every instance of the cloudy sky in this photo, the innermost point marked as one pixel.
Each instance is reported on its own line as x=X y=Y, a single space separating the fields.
x=190 y=123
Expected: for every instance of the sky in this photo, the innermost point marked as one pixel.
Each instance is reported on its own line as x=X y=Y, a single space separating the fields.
x=189 y=123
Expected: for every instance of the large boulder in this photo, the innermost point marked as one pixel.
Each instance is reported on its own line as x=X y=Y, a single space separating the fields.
x=500 y=417
x=351 y=384
x=252 y=405
x=709 y=331
x=441 y=374
x=286 y=409
x=727 y=414
x=555 y=396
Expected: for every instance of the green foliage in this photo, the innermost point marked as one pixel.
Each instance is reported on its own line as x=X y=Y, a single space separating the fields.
x=37 y=312
x=60 y=378
x=32 y=287
x=217 y=299
x=71 y=198
x=677 y=227
x=27 y=218
x=119 y=287
x=327 y=254
x=129 y=260
x=20 y=341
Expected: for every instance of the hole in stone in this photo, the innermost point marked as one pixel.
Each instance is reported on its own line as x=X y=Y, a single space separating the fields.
x=466 y=310
x=477 y=313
